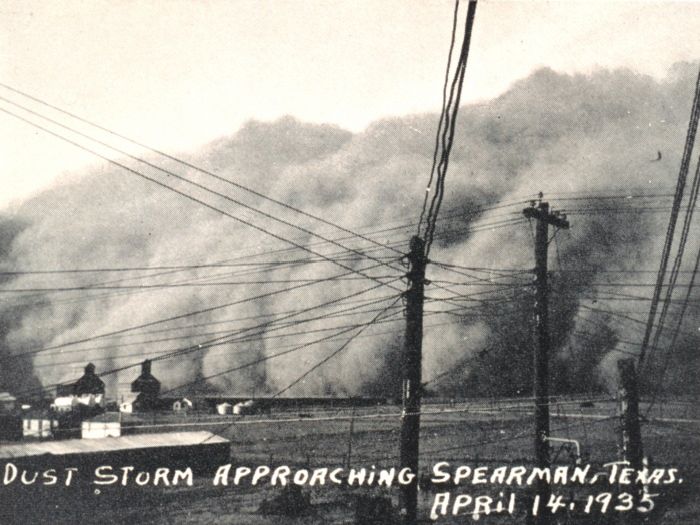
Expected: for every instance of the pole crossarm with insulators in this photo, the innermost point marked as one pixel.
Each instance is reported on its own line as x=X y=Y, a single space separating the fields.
x=411 y=385
x=544 y=219
x=542 y=213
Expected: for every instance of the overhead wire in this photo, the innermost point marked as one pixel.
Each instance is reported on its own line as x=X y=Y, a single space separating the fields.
x=199 y=347
x=668 y=352
x=190 y=165
x=442 y=115
x=183 y=193
x=335 y=352
x=672 y=281
x=258 y=336
x=461 y=310
x=170 y=319
x=678 y=195
x=266 y=327
x=448 y=131
x=286 y=352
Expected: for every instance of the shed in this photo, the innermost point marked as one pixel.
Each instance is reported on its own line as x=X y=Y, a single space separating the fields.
x=224 y=409
x=246 y=407
x=127 y=405
x=182 y=405
x=202 y=451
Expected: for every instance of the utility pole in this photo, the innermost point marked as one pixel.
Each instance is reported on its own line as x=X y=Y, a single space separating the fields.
x=411 y=374
x=630 y=446
x=352 y=428
x=544 y=219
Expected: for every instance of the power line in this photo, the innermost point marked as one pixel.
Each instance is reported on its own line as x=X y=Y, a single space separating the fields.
x=266 y=326
x=695 y=187
x=346 y=312
x=463 y=312
x=263 y=329
x=679 y=322
x=121 y=332
x=264 y=264
x=448 y=131
x=183 y=285
x=599 y=197
x=213 y=342
x=442 y=115
x=190 y=165
x=184 y=194
x=680 y=186
x=169 y=319
x=336 y=352
x=295 y=349
x=227 y=339
x=333 y=354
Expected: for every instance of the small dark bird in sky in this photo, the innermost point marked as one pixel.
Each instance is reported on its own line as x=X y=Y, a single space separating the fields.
x=658 y=156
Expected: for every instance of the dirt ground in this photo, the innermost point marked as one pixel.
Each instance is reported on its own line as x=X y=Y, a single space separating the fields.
x=477 y=433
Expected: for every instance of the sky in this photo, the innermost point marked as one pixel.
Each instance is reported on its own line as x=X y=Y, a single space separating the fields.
x=179 y=74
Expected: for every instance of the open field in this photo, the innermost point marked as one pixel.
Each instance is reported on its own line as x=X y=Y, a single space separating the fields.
x=475 y=433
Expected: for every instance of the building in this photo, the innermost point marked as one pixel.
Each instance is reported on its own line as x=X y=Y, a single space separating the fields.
x=201 y=451
x=39 y=427
x=148 y=388
x=245 y=407
x=127 y=406
x=182 y=405
x=89 y=383
x=65 y=404
x=224 y=409
x=102 y=426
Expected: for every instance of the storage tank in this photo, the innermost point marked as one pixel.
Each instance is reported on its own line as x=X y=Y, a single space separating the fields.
x=89 y=383
x=148 y=388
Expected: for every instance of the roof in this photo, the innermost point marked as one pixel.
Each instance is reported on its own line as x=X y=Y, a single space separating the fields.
x=65 y=401
x=110 y=444
x=106 y=417
x=6 y=396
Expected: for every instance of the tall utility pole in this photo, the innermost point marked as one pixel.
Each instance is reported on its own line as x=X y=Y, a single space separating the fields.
x=541 y=377
x=411 y=374
x=630 y=446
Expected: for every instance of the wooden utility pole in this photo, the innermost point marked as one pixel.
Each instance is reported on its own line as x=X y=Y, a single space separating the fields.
x=544 y=218
x=350 y=433
x=411 y=374
x=628 y=409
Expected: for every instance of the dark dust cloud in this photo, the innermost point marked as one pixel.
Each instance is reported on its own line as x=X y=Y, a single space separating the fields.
x=594 y=134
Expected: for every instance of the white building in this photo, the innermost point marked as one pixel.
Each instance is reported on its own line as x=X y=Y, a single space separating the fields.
x=38 y=427
x=245 y=407
x=65 y=404
x=224 y=409
x=106 y=425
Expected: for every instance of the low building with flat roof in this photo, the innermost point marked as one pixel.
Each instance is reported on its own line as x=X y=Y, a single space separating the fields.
x=201 y=450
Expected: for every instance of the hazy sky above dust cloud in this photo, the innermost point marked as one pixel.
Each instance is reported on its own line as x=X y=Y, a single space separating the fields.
x=179 y=74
